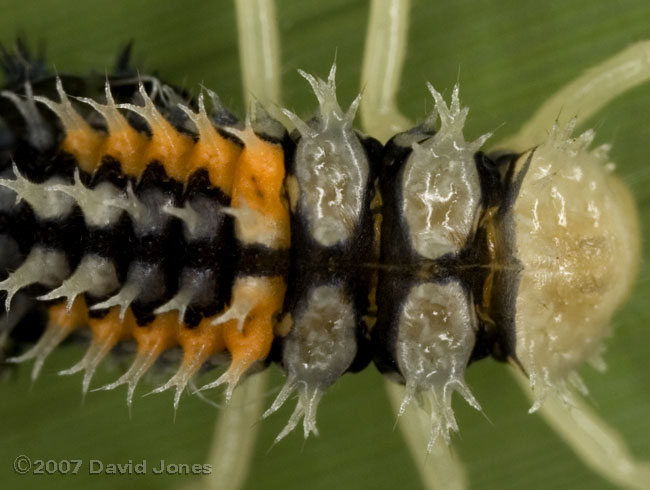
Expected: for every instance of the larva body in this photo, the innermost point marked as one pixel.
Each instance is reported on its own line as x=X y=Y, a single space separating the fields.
x=150 y=219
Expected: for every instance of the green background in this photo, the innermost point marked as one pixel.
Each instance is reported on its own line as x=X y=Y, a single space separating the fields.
x=509 y=56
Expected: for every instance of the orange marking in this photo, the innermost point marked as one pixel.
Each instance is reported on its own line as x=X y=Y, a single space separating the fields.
x=198 y=343
x=168 y=147
x=77 y=316
x=83 y=143
x=254 y=342
x=109 y=330
x=157 y=336
x=80 y=139
x=124 y=144
x=216 y=154
x=259 y=184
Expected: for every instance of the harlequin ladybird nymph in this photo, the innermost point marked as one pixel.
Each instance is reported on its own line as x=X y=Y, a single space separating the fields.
x=139 y=214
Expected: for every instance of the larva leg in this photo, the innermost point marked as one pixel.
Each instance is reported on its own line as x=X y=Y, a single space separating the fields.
x=234 y=437
x=235 y=434
x=386 y=42
x=259 y=52
x=585 y=95
x=442 y=468
x=597 y=444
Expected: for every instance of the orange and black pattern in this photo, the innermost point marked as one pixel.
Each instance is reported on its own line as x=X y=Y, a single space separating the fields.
x=132 y=212
x=150 y=238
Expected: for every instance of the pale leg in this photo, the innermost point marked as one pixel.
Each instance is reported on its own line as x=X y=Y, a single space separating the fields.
x=386 y=42
x=442 y=468
x=259 y=52
x=585 y=96
x=593 y=441
x=234 y=437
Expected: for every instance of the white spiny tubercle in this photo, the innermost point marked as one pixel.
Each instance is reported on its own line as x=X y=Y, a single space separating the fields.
x=560 y=138
x=287 y=390
x=246 y=135
x=194 y=288
x=181 y=378
x=200 y=119
x=95 y=203
x=351 y=113
x=114 y=119
x=149 y=113
x=437 y=403
x=180 y=302
x=319 y=348
x=308 y=399
x=543 y=386
x=125 y=296
x=46 y=201
x=186 y=214
x=331 y=198
x=435 y=340
x=94 y=274
x=251 y=226
x=43 y=266
x=70 y=118
x=140 y=366
x=442 y=165
x=441 y=469
x=238 y=311
x=39 y=135
x=230 y=378
x=244 y=300
x=95 y=354
x=452 y=121
x=302 y=127
x=131 y=204
x=330 y=111
x=51 y=338
x=321 y=87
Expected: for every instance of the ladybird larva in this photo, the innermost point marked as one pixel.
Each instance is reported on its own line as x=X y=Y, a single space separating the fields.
x=484 y=246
